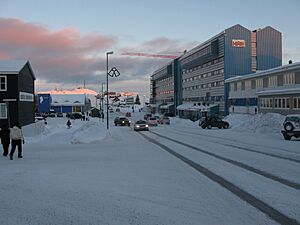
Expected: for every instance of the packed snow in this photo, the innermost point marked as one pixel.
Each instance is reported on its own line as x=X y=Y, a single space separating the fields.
x=91 y=175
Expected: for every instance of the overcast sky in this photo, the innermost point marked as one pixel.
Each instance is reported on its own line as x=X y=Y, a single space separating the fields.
x=66 y=40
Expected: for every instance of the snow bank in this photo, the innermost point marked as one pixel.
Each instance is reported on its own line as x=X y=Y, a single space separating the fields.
x=269 y=123
x=90 y=132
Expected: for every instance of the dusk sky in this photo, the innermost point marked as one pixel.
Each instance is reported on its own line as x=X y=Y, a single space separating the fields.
x=66 y=41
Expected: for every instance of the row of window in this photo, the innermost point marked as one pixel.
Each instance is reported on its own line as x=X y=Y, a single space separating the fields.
x=288 y=79
x=209 y=74
x=202 y=99
x=164 y=80
x=280 y=103
x=208 y=85
x=166 y=85
x=26 y=97
x=184 y=71
x=198 y=54
x=165 y=92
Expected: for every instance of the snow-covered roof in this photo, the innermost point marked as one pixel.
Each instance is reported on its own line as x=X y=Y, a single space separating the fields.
x=13 y=66
x=295 y=90
x=191 y=106
x=279 y=69
x=68 y=100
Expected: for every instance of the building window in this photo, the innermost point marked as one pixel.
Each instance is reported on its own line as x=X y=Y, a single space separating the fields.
x=297 y=103
x=3 y=111
x=26 y=97
x=235 y=86
x=243 y=85
x=248 y=84
x=259 y=83
x=289 y=79
x=273 y=81
x=3 y=83
x=239 y=85
x=253 y=84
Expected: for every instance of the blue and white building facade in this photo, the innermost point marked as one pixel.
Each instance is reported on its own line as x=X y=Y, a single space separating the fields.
x=275 y=90
x=234 y=51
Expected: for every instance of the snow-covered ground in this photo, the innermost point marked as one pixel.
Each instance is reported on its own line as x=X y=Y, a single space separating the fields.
x=88 y=175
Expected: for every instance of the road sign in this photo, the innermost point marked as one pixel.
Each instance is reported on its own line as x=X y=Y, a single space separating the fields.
x=114 y=72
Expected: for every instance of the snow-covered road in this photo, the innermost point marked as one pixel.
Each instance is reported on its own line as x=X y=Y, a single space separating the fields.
x=86 y=175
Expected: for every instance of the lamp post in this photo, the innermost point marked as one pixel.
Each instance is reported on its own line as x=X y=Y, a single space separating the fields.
x=107 y=53
x=101 y=103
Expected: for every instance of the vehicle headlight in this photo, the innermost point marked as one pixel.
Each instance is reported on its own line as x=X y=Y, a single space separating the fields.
x=147 y=125
x=129 y=121
x=137 y=126
x=122 y=121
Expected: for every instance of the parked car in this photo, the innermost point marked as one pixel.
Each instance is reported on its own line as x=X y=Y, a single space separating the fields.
x=169 y=114
x=152 y=121
x=146 y=116
x=164 y=120
x=51 y=114
x=122 y=121
x=141 y=125
x=59 y=114
x=77 y=115
x=210 y=122
x=291 y=126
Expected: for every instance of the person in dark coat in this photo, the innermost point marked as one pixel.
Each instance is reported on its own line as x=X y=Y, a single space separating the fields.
x=69 y=124
x=5 y=139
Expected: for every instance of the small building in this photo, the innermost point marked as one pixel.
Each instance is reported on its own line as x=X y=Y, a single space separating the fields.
x=94 y=112
x=195 y=111
x=275 y=90
x=16 y=92
x=69 y=103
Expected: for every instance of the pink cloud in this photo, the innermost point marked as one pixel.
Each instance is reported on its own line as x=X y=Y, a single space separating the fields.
x=66 y=57
x=17 y=33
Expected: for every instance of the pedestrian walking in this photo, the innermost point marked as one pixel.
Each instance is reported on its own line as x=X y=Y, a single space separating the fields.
x=69 y=124
x=17 y=139
x=5 y=139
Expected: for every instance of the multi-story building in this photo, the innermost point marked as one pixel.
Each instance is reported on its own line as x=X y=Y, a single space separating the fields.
x=275 y=90
x=234 y=51
x=164 y=88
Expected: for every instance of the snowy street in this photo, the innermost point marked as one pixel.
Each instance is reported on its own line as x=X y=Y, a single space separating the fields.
x=176 y=174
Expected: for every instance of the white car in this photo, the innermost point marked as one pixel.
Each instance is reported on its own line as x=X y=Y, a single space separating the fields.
x=152 y=121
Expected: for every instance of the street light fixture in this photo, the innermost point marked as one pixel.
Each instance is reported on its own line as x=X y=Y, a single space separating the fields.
x=107 y=53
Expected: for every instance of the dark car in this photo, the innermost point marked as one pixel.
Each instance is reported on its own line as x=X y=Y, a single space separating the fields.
x=169 y=114
x=122 y=121
x=77 y=115
x=146 y=116
x=59 y=114
x=210 y=122
x=141 y=125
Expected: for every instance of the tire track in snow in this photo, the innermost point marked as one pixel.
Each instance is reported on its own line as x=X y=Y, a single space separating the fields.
x=237 y=163
x=245 y=196
x=243 y=148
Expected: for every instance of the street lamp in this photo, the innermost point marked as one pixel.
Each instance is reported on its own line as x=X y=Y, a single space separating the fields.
x=107 y=53
x=101 y=102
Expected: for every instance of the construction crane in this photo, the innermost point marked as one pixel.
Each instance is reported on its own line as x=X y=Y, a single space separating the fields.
x=165 y=56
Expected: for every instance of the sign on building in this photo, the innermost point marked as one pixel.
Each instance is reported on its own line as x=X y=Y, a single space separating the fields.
x=238 y=43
